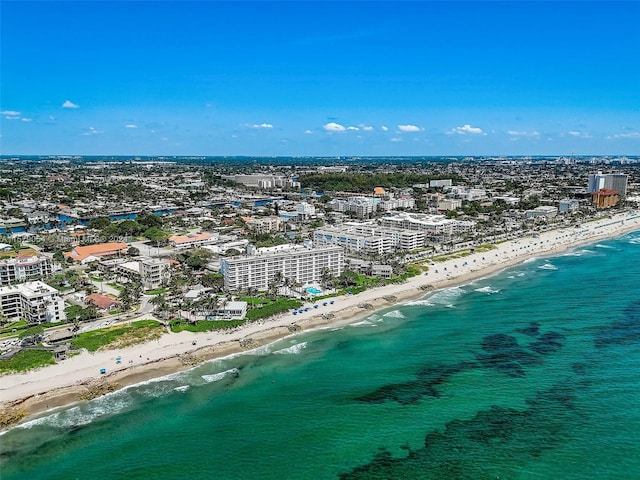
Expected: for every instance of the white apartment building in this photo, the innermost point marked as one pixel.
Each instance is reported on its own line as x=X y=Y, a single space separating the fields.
x=152 y=272
x=155 y=272
x=351 y=241
x=362 y=206
x=36 y=302
x=441 y=183
x=371 y=238
x=433 y=226
x=546 y=211
x=300 y=264
x=395 y=238
x=305 y=211
x=466 y=193
x=263 y=181
x=22 y=269
x=568 y=205
x=450 y=204
x=401 y=202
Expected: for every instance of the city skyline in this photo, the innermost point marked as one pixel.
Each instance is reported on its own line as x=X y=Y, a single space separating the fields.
x=322 y=78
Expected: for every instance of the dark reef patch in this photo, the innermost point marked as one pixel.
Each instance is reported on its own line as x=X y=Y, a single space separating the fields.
x=532 y=329
x=547 y=343
x=621 y=332
x=500 y=352
x=412 y=391
x=504 y=354
x=467 y=449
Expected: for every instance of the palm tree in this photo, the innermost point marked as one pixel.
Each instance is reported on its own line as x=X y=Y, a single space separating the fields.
x=326 y=276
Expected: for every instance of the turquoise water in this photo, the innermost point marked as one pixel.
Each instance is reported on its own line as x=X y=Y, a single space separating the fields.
x=313 y=290
x=530 y=374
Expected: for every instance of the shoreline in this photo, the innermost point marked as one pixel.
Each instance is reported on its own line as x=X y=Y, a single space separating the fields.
x=60 y=385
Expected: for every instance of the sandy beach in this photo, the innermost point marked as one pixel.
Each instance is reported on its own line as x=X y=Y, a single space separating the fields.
x=60 y=384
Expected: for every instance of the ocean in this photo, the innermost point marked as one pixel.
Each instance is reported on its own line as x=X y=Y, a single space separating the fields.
x=533 y=373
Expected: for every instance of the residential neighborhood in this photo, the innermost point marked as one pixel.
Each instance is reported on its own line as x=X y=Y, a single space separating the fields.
x=95 y=242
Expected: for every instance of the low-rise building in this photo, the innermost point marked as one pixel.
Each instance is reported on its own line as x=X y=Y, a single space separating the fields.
x=545 y=211
x=101 y=302
x=36 y=302
x=269 y=224
x=191 y=240
x=90 y=253
x=605 y=198
x=568 y=205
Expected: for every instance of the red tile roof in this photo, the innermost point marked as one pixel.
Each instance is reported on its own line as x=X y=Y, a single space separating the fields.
x=101 y=301
x=80 y=253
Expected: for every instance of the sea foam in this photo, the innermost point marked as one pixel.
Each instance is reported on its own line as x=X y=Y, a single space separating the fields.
x=293 y=349
x=548 y=266
x=215 y=377
x=488 y=290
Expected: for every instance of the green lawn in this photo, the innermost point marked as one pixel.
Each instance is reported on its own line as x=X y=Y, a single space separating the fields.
x=180 y=324
x=118 y=336
x=273 y=308
x=157 y=291
x=27 y=360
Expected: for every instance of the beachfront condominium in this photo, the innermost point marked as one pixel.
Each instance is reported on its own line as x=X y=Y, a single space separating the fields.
x=35 y=302
x=610 y=181
x=302 y=265
x=435 y=227
x=369 y=238
x=24 y=268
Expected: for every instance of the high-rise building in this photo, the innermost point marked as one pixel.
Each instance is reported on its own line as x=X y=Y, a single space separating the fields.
x=610 y=181
x=617 y=182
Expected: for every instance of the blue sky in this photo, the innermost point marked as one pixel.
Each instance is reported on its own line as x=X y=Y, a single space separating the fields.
x=325 y=78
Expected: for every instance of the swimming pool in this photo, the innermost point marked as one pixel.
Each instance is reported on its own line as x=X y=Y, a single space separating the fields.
x=313 y=290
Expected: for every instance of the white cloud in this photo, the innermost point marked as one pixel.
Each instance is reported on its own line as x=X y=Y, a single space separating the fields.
x=624 y=135
x=384 y=129
x=353 y=129
x=468 y=129
x=334 y=127
x=261 y=125
x=308 y=132
x=131 y=125
x=92 y=131
x=409 y=128
x=516 y=133
x=367 y=128
x=575 y=133
x=10 y=113
x=396 y=139
x=69 y=104
x=25 y=119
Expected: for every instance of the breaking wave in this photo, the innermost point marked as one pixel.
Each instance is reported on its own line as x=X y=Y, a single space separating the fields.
x=293 y=349
x=548 y=266
x=215 y=377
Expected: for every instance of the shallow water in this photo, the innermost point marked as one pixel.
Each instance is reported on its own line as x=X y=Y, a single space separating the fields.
x=534 y=373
